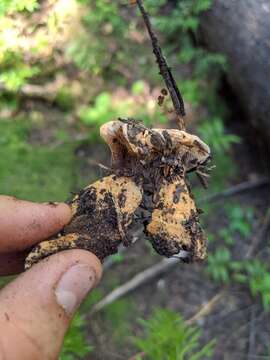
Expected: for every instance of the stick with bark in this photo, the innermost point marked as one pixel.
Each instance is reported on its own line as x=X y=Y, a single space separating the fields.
x=165 y=71
x=139 y=279
x=236 y=190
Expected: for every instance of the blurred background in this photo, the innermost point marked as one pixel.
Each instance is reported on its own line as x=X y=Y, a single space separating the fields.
x=67 y=67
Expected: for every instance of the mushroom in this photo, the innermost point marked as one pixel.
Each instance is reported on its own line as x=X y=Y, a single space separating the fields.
x=147 y=186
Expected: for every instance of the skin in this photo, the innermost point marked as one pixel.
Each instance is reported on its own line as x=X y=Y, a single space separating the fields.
x=30 y=315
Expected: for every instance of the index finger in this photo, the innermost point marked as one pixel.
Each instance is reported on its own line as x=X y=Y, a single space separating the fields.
x=24 y=223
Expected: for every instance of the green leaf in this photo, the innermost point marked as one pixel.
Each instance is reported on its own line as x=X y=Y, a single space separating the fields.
x=11 y=6
x=168 y=337
x=75 y=344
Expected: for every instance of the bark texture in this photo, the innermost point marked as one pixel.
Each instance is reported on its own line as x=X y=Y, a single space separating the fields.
x=241 y=30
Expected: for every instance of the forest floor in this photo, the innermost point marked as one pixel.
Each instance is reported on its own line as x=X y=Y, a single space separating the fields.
x=48 y=153
x=235 y=319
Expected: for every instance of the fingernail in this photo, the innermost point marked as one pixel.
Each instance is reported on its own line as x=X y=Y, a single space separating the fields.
x=73 y=286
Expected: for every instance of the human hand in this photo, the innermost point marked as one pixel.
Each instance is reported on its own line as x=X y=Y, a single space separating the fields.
x=37 y=307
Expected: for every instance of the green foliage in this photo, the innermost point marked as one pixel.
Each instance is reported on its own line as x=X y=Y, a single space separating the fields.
x=41 y=173
x=208 y=63
x=218 y=264
x=75 y=344
x=256 y=275
x=5 y=280
x=137 y=87
x=117 y=316
x=223 y=267
x=33 y=172
x=192 y=93
x=105 y=109
x=64 y=99
x=214 y=134
x=117 y=258
x=183 y=17
x=14 y=71
x=95 y=296
x=178 y=25
x=181 y=22
x=16 y=76
x=167 y=337
x=103 y=39
x=102 y=111
x=239 y=220
x=11 y=6
x=205 y=63
x=100 y=49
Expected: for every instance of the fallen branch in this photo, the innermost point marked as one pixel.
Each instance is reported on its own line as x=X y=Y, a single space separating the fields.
x=138 y=280
x=237 y=189
x=206 y=309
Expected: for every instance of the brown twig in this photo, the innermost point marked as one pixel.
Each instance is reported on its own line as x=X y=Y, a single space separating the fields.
x=144 y=277
x=165 y=71
x=138 y=280
x=237 y=189
x=206 y=309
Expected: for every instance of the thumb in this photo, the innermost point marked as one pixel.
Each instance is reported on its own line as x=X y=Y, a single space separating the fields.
x=36 y=308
